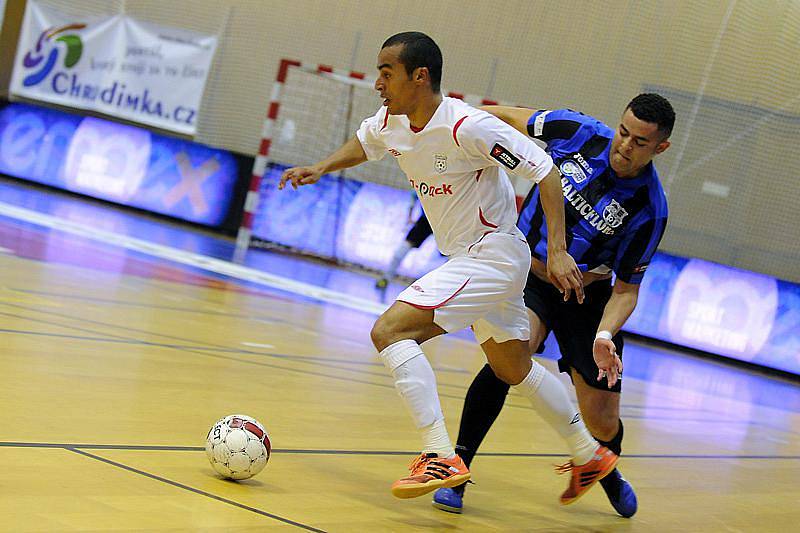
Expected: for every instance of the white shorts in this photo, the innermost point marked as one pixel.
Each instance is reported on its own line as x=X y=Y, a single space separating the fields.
x=482 y=289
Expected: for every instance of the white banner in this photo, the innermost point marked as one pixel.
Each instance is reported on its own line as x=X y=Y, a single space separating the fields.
x=115 y=65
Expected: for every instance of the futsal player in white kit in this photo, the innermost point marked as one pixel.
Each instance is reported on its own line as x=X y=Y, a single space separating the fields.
x=456 y=158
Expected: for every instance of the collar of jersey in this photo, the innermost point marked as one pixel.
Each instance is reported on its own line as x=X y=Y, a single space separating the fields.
x=431 y=121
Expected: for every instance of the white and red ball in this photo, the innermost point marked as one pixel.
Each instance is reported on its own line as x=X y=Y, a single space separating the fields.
x=238 y=447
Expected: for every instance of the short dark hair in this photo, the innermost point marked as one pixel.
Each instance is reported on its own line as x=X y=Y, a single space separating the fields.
x=419 y=50
x=656 y=109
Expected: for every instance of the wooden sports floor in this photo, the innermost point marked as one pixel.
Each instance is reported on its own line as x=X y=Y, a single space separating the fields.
x=114 y=364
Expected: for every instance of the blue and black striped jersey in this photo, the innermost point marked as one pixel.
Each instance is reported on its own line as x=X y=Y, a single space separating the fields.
x=612 y=223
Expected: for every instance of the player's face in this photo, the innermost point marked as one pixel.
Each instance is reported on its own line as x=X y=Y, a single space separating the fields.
x=635 y=144
x=397 y=89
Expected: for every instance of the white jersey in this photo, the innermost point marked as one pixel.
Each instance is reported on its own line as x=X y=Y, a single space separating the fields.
x=457 y=164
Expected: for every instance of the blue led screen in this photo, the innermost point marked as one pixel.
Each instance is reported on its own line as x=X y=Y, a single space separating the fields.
x=123 y=164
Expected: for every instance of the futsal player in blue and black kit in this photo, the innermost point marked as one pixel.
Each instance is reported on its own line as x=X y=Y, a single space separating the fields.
x=616 y=212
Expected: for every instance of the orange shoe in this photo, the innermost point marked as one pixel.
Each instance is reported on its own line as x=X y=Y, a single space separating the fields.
x=430 y=472
x=586 y=475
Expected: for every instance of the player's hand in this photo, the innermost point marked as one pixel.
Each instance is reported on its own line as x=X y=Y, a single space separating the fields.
x=564 y=273
x=608 y=362
x=299 y=176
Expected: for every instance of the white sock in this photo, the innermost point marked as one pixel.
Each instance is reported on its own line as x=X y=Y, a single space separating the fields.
x=397 y=258
x=550 y=399
x=436 y=440
x=416 y=383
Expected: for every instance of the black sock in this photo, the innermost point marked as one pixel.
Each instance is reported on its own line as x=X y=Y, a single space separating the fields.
x=615 y=444
x=484 y=401
x=611 y=481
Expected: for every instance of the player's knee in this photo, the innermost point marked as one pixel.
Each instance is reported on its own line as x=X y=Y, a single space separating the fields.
x=508 y=376
x=384 y=332
x=378 y=334
x=602 y=426
x=511 y=372
x=533 y=346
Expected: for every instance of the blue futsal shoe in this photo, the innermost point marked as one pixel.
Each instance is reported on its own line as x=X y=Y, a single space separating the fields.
x=620 y=494
x=448 y=500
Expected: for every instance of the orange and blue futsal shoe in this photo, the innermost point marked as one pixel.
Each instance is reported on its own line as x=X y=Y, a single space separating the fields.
x=430 y=472
x=586 y=475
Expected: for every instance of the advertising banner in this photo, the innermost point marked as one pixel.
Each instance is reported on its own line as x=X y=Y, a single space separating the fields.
x=720 y=309
x=116 y=162
x=114 y=65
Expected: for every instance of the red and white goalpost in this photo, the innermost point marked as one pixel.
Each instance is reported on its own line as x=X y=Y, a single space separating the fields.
x=312 y=111
x=244 y=234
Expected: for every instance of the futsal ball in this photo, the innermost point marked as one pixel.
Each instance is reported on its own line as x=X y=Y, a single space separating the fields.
x=238 y=447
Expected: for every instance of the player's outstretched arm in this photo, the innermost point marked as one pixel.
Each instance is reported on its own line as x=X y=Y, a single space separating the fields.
x=516 y=117
x=348 y=155
x=561 y=267
x=618 y=309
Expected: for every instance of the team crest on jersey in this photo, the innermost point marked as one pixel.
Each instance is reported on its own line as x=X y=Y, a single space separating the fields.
x=573 y=170
x=440 y=163
x=614 y=213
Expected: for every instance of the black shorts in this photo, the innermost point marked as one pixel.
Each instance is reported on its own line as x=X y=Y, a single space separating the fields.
x=419 y=232
x=574 y=325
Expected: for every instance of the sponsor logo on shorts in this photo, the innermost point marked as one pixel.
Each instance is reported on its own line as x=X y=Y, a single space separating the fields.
x=394 y=152
x=417 y=288
x=504 y=157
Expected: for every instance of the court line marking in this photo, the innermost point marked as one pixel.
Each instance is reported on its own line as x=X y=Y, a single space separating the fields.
x=199 y=261
x=336 y=364
x=340 y=364
x=258 y=345
x=204 y=312
x=150 y=305
x=208 y=352
x=319 y=359
x=212 y=348
x=194 y=490
x=305 y=451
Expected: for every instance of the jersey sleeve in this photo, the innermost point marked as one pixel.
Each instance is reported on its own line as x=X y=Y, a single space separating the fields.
x=485 y=136
x=559 y=126
x=637 y=249
x=368 y=134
